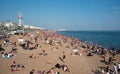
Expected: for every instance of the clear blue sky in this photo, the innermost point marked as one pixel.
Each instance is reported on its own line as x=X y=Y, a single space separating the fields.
x=67 y=14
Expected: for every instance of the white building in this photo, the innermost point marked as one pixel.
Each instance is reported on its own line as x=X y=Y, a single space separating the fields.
x=33 y=27
x=1 y=23
x=10 y=24
x=26 y=26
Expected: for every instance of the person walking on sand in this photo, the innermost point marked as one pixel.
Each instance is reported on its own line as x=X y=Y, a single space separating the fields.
x=64 y=55
x=107 y=70
x=12 y=47
x=110 y=60
x=115 y=70
x=118 y=67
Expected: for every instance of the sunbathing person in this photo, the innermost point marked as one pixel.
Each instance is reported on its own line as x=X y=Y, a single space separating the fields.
x=50 y=71
x=33 y=56
x=44 y=72
x=89 y=54
x=15 y=67
x=43 y=53
x=65 y=68
x=7 y=55
x=32 y=72
x=4 y=55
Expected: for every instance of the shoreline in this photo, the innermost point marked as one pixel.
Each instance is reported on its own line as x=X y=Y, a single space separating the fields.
x=77 y=63
x=94 y=41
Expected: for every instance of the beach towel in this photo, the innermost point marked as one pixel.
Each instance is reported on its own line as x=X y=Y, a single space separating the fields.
x=17 y=69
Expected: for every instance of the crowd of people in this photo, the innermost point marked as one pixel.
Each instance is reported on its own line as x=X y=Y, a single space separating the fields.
x=55 y=41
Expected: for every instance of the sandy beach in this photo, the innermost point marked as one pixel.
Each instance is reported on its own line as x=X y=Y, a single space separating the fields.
x=77 y=64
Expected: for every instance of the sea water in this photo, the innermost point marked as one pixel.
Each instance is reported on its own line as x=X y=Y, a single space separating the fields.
x=107 y=39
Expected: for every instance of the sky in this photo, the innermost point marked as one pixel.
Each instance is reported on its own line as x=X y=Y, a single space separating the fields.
x=87 y=15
